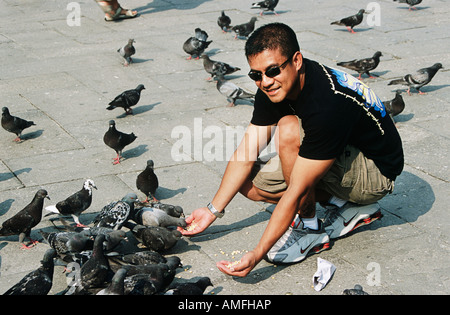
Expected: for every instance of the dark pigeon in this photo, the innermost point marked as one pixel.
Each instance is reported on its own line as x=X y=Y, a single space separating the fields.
x=217 y=68
x=411 y=3
x=27 y=218
x=147 y=181
x=351 y=21
x=233 y=92
x=357 y=290
x=245 y=29
x=148 y=257
x=113 y=237
x=127 y=51
x=14 y=124
x=116 y=287
x=266 y=5
x=66 y=242
x=117 y=140
x=155 y=237
x=127 y=99
x=224 y=22
x=363 y=65
x=142 y=284
x=190 y=288
x=75 y=204
x=419 y=79
x=39 y=281
x=116 y=213
x=196 y=45
x=396 y=105
x=156 y=217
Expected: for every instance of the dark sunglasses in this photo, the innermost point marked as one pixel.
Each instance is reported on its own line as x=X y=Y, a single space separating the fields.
x=270 y=73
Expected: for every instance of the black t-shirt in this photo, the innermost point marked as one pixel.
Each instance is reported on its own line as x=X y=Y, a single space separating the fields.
x=336 y=109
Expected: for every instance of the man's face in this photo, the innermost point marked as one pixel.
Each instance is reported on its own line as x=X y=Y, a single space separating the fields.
x=284 y=85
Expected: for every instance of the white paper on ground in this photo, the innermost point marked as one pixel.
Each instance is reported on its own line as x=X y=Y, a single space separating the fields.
x=325 y=271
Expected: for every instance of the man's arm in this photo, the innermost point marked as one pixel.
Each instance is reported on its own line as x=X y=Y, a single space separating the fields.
x=299 y=195
x=255 y=139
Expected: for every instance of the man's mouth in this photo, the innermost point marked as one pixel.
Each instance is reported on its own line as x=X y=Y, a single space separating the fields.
x=272 y=91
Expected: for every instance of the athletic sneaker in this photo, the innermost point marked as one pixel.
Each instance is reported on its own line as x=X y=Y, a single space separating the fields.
x=297 y=243
x=340 y=221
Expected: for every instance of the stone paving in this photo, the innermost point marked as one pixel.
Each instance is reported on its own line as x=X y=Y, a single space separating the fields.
x=62 y=76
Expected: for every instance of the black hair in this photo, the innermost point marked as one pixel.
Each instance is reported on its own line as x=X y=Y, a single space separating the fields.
x=270 y=37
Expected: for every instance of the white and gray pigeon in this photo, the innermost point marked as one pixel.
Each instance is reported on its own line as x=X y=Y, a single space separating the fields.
x=75 y=204
x=156 y=217
x=14 y=124
x=420 y=78
x=39 y=281
x=217 y=68
x=363 y=65
x=196 y=45
x=127 y=51
x=411 y=3
x=127 y=99
x=245 y=29
x=224 y=22
x=266 y=5
x=351 y=21
x=233 y=92
x=115 y=214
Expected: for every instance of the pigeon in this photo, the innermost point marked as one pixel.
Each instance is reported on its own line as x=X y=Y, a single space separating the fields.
x=362 y=65
x=14 y=124
x=39 y=281
x=147 y=181
x=156 y=217
x=266 y=5
x=116 y=213
x=196 y=45
x=112 y=237
x=148 y=257
x=27 y=218
x=419 y=79
x=411 y=3
x=127 y=51
x=127 y=99
x=243 y=30
x=357 y=290
x=396 y=105
x=116 y=287
x=142 y=284
x=224 y=22
x=217 y=68
x=174 y=211
x=233 y=92
x=351 y=21
x=75 y=204
x=190 y=288
x=117 y=140
x=66 y=242
x=156 y=238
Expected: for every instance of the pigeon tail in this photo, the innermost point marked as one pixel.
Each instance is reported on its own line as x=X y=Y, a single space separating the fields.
x=52 y=209
x=397 y=81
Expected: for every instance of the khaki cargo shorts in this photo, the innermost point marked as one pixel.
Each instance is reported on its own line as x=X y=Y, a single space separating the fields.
x=352 y=177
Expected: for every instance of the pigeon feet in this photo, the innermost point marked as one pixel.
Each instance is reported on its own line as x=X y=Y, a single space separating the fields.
x=29 y=245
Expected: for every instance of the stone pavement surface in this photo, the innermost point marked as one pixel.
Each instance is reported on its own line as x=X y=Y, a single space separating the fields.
x=62 y=76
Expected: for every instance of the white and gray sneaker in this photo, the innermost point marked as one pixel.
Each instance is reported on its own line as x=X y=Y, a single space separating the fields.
x=298 y=243
x=340 y=221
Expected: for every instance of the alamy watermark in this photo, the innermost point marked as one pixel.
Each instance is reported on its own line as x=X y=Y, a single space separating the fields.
x=74 y=16
x=373 y=11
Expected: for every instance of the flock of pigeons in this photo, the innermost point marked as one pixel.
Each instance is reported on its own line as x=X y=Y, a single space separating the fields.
x=95 y=249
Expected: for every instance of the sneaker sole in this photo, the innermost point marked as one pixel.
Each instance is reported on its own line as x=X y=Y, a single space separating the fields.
x=377 y=215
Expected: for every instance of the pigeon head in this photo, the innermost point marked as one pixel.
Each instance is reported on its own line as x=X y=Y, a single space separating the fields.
x=378 y=54
x=41 y=194
x=438 y=66
x=5 y=110
x=112 y=123
x=150 y=164
x=140 y=87
x=89 y=184
x=130 y=198
x=131 y=41
x=362 y=11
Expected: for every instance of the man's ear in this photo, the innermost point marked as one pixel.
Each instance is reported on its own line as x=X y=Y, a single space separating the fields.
x=297 y=59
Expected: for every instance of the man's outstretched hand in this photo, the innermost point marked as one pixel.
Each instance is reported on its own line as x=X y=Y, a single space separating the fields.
x=197 y=222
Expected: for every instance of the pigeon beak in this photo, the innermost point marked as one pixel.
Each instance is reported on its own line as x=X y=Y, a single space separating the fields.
x=48 y=197
x=94 y=186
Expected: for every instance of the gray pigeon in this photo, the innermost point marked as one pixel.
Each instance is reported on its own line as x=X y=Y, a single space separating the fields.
x=39 y=281
x=351 y=21
x=24 y=220
x=66 y=242
x=418 y=79
x=127 y=99
x=224 y=22
x=396 y=105
x=362 y=65
x=127 y=51
x=266 y=5
x=116 y=287
x=357 y=290
x=217 y=68
x=116 y=213
x=245 y=29
x=156 y=217
x=411 y=3
x=197 y=287
x=14 y=124
x=117 y=140
x=147 y=181
x=174 y=211
x=233 y=92
x=196 y=45
x=155 y=237
x=75 y=204
x=148 y=257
